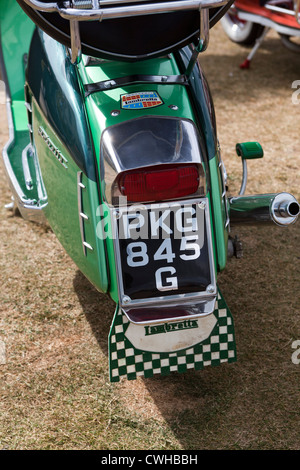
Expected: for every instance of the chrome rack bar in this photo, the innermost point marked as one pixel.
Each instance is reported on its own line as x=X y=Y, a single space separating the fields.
x=203 y=41
x=136 y=9
x=92 y=10
x=158 y=79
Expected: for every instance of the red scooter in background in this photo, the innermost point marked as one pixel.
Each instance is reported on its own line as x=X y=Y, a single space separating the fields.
x=248 y=21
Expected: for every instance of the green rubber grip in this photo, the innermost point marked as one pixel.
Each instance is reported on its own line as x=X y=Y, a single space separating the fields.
x=249 y=150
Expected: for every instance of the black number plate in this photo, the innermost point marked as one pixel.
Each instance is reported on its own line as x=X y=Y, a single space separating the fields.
x=163 y=250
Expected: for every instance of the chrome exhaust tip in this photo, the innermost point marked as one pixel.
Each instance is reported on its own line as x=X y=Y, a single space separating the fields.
x=285 y=209
x=282 y=209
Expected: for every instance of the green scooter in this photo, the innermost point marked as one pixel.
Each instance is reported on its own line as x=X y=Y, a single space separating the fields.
x=113 y=144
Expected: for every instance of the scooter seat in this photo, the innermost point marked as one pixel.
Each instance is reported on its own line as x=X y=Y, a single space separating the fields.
x=129 y=38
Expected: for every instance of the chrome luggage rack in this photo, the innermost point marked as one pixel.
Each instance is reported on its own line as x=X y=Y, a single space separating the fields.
x=97 y=10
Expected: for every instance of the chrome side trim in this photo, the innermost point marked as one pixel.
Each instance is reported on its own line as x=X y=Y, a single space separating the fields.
x=30 y=209
x=198 y=309
x=80 y=187
x=87 y=245
x=55 y=151
x=82 y=216
x=27 y=175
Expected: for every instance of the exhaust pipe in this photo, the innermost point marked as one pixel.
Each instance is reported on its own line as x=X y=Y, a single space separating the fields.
x=281 y=209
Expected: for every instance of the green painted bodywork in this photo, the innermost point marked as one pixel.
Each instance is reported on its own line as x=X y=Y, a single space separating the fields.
x=62 y=208
x=16 y=32
x=56 y=91
x=101 y=104
x=219 y=214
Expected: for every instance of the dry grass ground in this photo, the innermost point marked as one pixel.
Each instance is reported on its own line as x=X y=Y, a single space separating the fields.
x=54 y=388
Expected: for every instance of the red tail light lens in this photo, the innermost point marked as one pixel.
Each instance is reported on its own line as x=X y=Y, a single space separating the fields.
x=160 y=183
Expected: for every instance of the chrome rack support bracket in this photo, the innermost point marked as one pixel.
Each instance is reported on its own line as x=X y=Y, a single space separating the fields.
x=203 y=41
x=76 y=54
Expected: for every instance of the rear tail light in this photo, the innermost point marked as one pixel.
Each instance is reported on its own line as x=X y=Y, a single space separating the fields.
x=160 y=183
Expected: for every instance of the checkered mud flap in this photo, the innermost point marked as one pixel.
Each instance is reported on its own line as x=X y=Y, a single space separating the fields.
x=136 y=350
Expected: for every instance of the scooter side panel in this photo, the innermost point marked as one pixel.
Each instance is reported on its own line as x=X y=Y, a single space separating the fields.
x=64 y=148
x=54 y=85
x=68 y=202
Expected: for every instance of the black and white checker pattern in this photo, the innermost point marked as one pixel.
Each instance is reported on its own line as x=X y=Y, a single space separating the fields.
x=127 y=361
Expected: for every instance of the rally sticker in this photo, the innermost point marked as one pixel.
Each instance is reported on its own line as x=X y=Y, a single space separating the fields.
x=140 y=100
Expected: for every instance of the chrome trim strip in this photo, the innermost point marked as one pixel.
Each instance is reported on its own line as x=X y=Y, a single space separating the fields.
x=84 y=216
x=206 y=307
x=81 y=186
x=28 y=107
x=26 y=170
x=87 y=245
x=55 y=151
